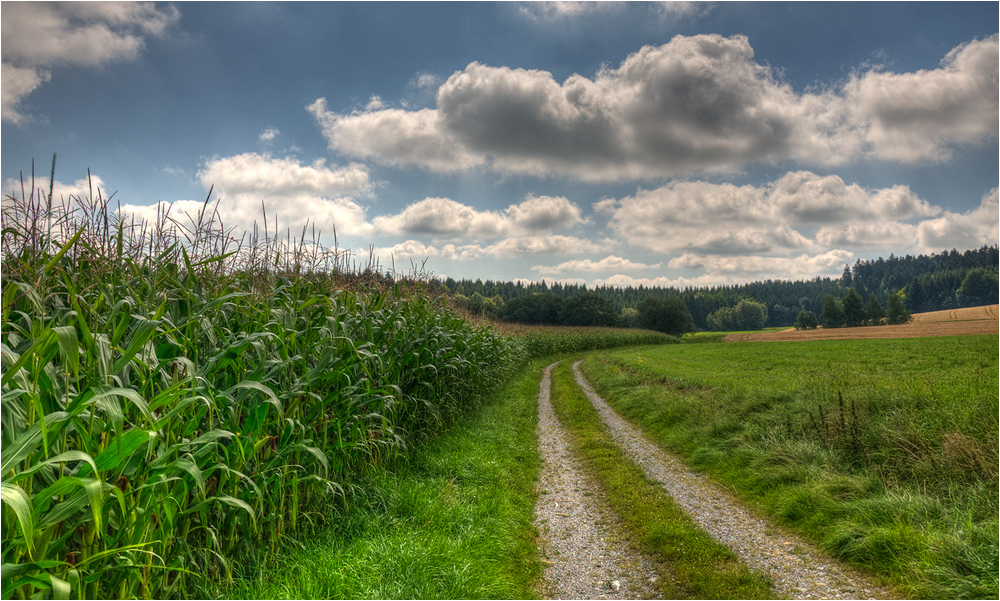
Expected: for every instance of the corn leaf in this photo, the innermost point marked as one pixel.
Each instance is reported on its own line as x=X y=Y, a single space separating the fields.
x=15 y=498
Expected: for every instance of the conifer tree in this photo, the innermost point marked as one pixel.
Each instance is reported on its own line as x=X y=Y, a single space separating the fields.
x=874 y=311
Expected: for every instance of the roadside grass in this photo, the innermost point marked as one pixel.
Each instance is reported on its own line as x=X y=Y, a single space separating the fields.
x=882 y=451
x=452 y=521
x=690 y=563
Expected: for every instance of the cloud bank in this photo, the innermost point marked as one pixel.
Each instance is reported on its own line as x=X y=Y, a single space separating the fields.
x=697 y=105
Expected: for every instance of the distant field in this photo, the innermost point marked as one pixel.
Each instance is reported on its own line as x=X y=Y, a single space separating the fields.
x=954 y=322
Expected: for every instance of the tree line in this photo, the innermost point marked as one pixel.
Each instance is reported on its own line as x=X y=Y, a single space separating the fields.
x=923 y=283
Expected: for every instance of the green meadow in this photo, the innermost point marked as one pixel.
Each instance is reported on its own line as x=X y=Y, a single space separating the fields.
x=882 y=451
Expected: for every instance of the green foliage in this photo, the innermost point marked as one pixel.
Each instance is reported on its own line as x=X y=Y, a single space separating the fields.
x=874 y=312
x=453 y=520
x=560 y=340
x=166 y=404
x=539 y=308
x=854 y=309
x=746 y=315
x=588 y=309
x=833 y=312
x=883 y=451
x=896 y=311
x=668 y=314
x=979 y=287
x=477 y=304
x=806 y=321
x=930 y=282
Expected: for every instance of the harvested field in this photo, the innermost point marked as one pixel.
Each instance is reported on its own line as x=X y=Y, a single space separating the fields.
x=966 y=314
x=954 y=322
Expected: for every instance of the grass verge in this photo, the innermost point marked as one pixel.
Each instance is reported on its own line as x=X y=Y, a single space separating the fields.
x=884 y=452
x=690 y=563
x=453 y=521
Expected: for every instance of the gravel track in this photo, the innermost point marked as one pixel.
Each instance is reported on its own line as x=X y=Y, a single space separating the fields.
x=585 y=559
x=798 y=570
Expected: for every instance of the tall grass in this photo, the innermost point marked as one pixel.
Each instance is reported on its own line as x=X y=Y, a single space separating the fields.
x=171 y=392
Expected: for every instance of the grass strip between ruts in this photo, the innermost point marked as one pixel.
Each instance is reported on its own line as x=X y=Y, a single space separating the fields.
x=690 y=562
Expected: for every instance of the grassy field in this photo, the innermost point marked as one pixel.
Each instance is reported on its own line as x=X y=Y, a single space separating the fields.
x=883 y=451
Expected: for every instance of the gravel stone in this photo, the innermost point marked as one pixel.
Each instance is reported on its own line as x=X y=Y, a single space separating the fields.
x=797 y=568
x=585 y=558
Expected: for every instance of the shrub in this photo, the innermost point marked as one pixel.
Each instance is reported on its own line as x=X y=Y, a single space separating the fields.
x=854 y=309
x=874 y=311
x=979 y=287
x=667 y=314
x=746 y=315
x=806 y=321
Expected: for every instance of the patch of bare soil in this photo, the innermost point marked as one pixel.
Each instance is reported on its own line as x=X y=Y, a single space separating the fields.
x=954 y=322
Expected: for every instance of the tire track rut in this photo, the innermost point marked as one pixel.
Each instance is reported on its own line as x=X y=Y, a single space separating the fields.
x=585 y=558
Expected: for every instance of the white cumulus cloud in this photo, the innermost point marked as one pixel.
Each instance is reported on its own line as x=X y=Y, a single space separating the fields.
x=909 y=117
x=763 y=267
x=447 y=218
x=38 y=36
x=697 y=104
x=554 y=244
x=977 y=227
x=443 y=218
x=806 y=198
x=609 y=263
x=799 y=212
x=290 y=193
x=250 y=189
x=394 y=137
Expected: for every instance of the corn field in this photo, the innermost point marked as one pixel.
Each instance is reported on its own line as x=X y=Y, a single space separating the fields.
x=171 y=393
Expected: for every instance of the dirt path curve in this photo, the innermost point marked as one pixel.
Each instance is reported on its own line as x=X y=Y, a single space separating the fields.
x=584 y=557
x=797 y=569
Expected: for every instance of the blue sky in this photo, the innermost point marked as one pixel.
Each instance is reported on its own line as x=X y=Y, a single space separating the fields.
x=669 y=144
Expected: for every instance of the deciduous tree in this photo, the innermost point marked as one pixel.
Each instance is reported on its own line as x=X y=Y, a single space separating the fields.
x=806 y=321
x=667 y=314
x=896 y=311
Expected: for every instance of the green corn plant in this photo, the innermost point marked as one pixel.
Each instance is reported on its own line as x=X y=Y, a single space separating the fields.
x=168 y=394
